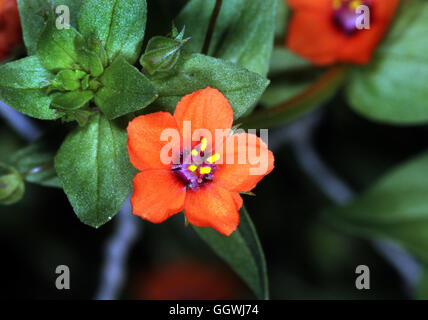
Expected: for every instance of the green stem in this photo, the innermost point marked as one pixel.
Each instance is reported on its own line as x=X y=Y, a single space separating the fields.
x=309 y=99
x=211 y=26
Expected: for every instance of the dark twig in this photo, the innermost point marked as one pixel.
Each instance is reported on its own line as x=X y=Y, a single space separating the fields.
x=211 y=26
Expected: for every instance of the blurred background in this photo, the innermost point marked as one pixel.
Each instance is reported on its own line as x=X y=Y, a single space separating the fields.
x=306 y=258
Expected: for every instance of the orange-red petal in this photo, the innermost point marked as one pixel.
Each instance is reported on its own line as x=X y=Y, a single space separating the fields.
x=212 y=206
x=245 y=160
x=312 y=35
x=157 y=195
x=204 y=109
x=144 y=139
x=317 y=5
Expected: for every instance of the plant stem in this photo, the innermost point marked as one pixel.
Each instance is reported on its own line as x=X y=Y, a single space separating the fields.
x=309 y=99
x=211 y=26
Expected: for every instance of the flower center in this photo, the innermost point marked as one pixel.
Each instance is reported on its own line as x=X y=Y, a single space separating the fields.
x=196 y=168
x=345 y=15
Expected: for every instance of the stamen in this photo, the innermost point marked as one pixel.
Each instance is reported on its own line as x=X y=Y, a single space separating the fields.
x=205 y=170
x=213 y=158
x=194 y=152
x=204 y=144
x=355 y=4
x=192 y=168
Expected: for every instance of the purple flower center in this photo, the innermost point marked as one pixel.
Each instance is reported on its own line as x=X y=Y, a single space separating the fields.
x=345 y=15
x=195 y=168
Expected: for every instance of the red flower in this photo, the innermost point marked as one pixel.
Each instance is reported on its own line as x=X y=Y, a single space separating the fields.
x=199 y=179
x=187 y=280
x=325 y=31
x=10 y=28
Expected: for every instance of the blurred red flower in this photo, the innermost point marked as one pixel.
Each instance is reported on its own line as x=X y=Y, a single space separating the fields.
x=187 y=280
x=10 y=28
x=325 y=31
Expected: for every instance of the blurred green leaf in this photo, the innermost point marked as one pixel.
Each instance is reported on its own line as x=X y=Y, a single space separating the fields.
x=95 y=171
x=242 y=251
x=36 y=163
x=196 y=71
x=396 y=207
x=33 y=14
x=119 y=24
x=20 y=87
x=124 y=90
x=421 y=292
x=392 y=88
x=12 y=186
x=244 y=31
x=290 y=75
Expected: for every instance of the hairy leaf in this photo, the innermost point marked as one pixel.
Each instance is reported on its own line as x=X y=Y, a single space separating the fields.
x=243 y=252
x=94 y=169
x=20 y=87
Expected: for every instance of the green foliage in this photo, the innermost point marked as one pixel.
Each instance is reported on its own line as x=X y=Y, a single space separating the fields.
x=124 y=90
x=196 y=71
x=33 y=15
x=243 y=252
x=396 y=207
x=12 y=186
x=36 y=163
x=392 y=88
x=119 y=24
x=243 y=34
x=94 y=169
x=20 y=87
x=58 y=49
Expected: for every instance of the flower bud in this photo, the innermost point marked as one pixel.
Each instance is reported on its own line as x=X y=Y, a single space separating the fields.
x=162 y=53
x=12 y=185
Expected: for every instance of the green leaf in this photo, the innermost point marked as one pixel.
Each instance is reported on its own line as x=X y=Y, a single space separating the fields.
x=243 y=252
x=95 y=171
x=396 y=207
x=249 y=40
x=124 y=90
x=290 y=75
x=196 y=71
x=196 y=16
x=33 y=13
x=72 y=100
x=119 y=24
x=36 y=163
x=20 y=87
x=244 y=31
x=58 y=49
x=393 y=87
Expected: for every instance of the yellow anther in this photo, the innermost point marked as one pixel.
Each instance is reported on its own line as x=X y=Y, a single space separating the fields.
x=337 y=4
x=355 y=4
x=194 y=152
x=204 y=144
x=192 y=168
x=205 y=170
x=213 y=158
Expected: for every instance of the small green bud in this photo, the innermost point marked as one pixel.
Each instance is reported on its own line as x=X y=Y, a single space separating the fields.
x=162 y=53
x=68 y=80
x=12 y=185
